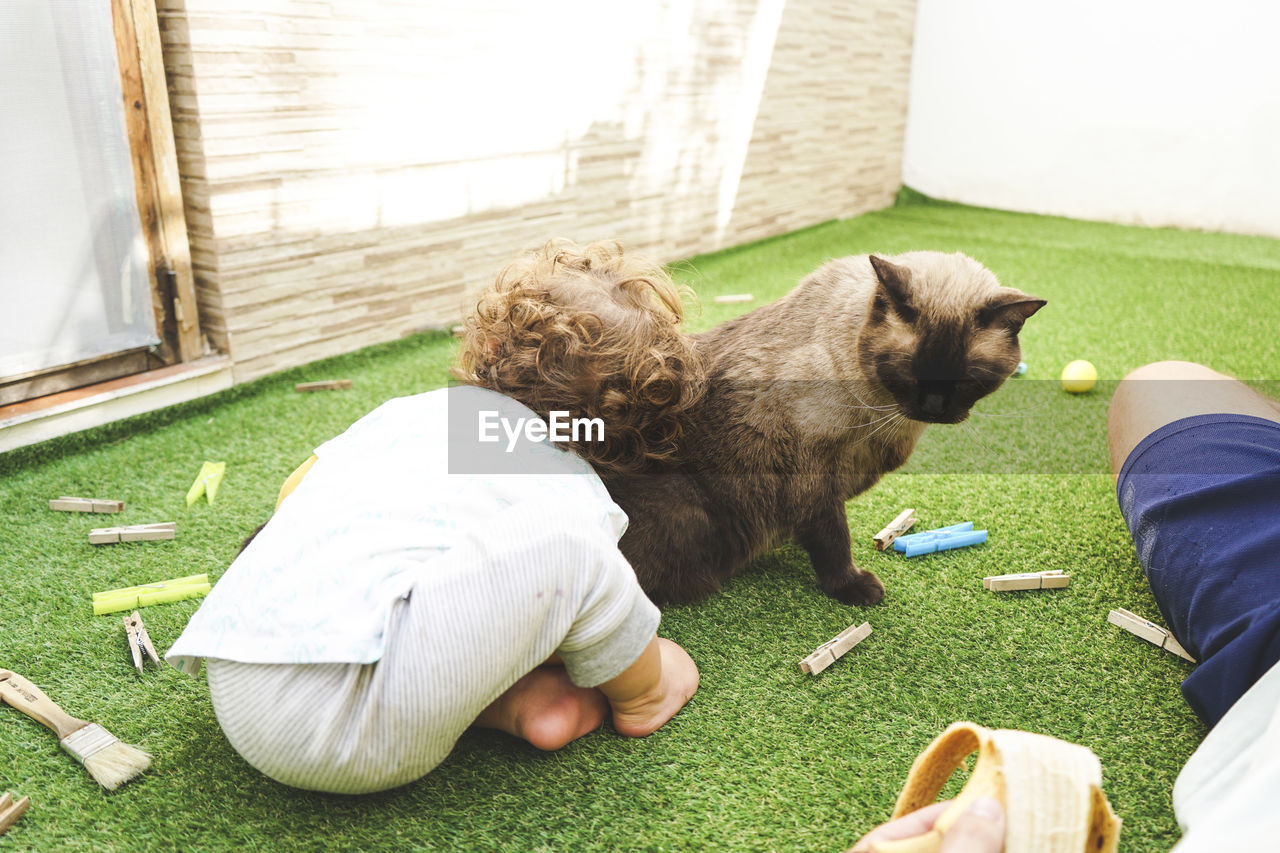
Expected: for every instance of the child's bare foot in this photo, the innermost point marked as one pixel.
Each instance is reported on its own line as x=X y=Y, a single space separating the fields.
x=547 y=709
x=645 y=713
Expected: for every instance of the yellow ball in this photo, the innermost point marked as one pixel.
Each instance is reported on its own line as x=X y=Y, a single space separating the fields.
x=1079 y=376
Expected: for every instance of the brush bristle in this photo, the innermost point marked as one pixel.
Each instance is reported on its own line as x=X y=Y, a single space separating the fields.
x=116 y=764
x=110 y=762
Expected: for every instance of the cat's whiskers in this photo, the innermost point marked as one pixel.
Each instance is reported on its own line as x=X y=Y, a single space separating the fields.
x=988 y=450
x=891 y=430
x=889 y=422
x=888 y=407
x=905 y=426
x=978 y=368
x=879 y=420
x=1021 y=413
x=885 y=408
x=1005 y=414
x=897 y=428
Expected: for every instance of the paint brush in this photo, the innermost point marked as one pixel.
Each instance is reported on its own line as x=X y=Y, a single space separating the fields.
x=110 y=762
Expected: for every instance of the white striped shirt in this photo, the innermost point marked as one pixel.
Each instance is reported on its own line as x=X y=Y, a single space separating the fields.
x=381 y=510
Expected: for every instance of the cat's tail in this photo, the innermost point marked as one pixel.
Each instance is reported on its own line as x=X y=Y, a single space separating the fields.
x=595 y=332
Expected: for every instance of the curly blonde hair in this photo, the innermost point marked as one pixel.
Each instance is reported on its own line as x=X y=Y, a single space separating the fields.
x=595 y=332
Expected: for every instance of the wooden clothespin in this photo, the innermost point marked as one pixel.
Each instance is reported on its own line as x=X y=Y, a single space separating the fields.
x=730 y=298
x=66 y=504
x=207 y=482
x=830 y=651
x=1149 y=631
x=139 y=640
x=324 y=385
x=895 y=528
x=133 y=533
x=1054 y=579
x=11 y=811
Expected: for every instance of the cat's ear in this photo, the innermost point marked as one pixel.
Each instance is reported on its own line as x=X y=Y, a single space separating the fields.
x=895 y=281
x=1009 y=310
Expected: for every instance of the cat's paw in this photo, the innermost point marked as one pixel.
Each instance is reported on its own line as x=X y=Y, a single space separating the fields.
x=861 y=589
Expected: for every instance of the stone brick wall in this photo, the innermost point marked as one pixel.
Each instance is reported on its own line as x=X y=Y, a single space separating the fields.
x=354 y=171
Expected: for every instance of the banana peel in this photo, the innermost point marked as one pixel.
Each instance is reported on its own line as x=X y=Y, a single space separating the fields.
x=1051 y=791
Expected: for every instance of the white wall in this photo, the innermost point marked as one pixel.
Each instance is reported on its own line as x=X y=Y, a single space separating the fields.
x=1134 y=111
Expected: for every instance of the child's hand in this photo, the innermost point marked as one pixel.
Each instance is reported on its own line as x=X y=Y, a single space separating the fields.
x=979 y=830
x=653 y=689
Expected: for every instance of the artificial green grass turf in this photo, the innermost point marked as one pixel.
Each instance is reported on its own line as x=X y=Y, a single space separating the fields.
x=764 y=757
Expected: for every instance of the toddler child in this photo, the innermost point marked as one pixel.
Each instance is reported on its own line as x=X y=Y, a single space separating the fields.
x=417 y=579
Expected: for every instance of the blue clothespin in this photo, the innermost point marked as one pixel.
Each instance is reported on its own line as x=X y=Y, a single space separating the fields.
x=946 y=542
x=941 y=539
x=901 y=543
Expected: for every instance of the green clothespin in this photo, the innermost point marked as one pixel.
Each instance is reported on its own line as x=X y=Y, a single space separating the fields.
x=160 y=592
x=207 y=482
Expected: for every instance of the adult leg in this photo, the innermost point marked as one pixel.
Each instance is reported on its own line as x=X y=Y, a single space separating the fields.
x=1166 y=391
x=1197 y=460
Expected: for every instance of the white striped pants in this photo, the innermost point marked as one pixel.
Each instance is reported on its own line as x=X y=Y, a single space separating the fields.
x=451 y=649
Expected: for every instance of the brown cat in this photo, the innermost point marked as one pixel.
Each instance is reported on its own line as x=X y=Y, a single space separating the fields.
x=783 y=414
x=810 y=401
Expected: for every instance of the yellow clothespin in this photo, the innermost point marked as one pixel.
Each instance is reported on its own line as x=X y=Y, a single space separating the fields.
x=207 y=482
x=139 y=641
x=160 y=592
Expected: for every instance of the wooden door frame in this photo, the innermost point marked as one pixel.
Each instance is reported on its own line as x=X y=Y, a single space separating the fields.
x=155 y=166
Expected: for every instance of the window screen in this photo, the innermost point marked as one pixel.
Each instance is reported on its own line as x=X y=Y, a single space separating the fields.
x=74 y=279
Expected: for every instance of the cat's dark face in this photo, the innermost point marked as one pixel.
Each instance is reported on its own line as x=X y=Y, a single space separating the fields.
x=941 y=334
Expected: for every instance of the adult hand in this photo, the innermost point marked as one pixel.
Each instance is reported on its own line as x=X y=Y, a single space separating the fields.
x=979 y=830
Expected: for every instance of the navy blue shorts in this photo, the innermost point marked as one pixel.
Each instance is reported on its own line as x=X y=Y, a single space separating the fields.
x=1201 y=497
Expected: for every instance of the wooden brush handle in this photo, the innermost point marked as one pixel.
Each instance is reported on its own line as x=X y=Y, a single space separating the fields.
x=30 y=700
